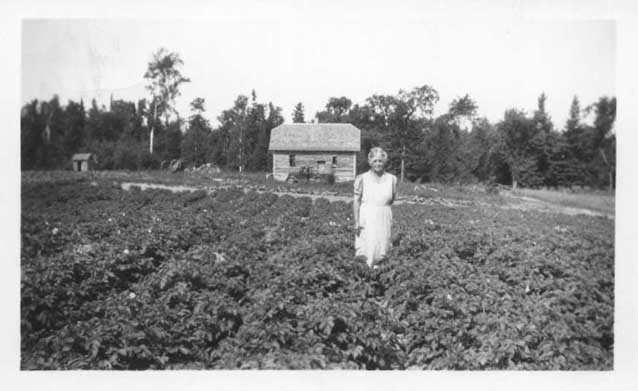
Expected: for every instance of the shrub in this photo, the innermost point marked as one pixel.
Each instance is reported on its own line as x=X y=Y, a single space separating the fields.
x=104 y=153
x=147 y=161
x=125 y=157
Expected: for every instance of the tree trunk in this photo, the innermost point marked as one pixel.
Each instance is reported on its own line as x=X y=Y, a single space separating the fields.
x=241 y=149
x=402 y=162
x=150 y=146
x=611 y=170
x=513 y=173
x=611 y=181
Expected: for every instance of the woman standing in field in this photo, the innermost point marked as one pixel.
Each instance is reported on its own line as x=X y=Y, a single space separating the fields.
x=374 y=192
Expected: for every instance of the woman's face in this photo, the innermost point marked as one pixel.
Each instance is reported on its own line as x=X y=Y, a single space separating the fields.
x=377 y=164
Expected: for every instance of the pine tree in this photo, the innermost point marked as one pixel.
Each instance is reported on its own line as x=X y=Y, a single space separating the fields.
x=573 y=143
x=603 y=141
x=298 y=113
x=74 y=119
x=195 y=147
x=541 y=141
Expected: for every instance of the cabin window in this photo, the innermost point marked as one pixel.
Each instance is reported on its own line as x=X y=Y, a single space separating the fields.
x=334 y=160
x=291 y=160
x=320 y=162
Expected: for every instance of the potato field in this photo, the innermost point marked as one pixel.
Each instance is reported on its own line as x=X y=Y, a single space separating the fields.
x=115 y=279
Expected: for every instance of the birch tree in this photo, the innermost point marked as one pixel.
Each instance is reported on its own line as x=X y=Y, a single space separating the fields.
x=164 y=80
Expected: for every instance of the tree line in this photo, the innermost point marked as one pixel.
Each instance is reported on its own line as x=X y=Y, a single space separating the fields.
x=456 y=146
x=460 y=146
x=119 y=135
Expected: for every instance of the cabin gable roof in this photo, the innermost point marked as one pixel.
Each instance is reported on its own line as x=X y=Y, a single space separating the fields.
x=315 y=137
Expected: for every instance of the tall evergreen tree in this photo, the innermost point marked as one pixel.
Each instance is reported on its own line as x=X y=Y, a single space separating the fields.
x=197 y=139
x=52 y=153
x=255 y=123
x=603 y=141
x=574 y=131
x=263 y=160
x=236 y=153
x=298 y=113
x=32 y=124
x=542 y=141
x=573 y=121
x=74 y=120
x=572 y=170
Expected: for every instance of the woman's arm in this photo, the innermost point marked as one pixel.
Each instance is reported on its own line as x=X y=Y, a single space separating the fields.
x=356 y=203
x=394 y=189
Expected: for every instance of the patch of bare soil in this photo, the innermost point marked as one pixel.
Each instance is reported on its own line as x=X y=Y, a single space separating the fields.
x=528 y=203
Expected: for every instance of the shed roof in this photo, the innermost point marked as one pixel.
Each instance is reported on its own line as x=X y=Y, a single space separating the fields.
x=81 y=156
x=315 y=137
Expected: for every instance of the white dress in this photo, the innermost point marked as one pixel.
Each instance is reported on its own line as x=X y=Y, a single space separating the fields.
x=375 y=215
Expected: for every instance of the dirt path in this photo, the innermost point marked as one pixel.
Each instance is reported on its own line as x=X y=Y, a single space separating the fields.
x=528 y=203
x=520 y=202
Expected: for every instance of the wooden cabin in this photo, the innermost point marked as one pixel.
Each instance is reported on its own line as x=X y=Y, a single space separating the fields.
x=326 y=148
x=83 y=162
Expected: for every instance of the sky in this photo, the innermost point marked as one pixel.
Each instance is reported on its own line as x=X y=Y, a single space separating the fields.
x=501 y=63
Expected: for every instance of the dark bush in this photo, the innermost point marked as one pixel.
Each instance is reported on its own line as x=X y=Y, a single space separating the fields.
x=125 y=157
x=147 y=161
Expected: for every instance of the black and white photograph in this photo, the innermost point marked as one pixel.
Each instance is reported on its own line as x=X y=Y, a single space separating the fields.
x=320 y=189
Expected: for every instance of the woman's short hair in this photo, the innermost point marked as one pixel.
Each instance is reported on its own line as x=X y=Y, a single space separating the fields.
x=377 y=152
